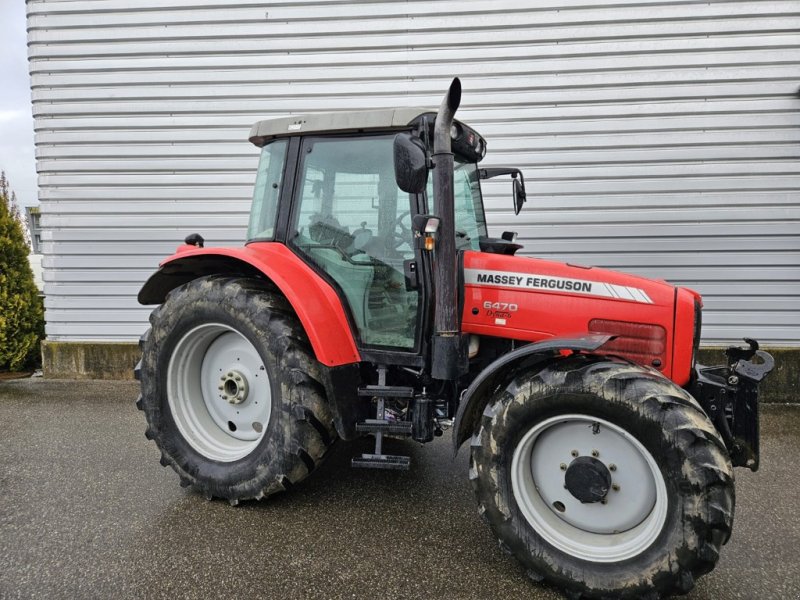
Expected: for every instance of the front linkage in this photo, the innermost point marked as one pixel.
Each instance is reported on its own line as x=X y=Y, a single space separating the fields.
x=729 y=395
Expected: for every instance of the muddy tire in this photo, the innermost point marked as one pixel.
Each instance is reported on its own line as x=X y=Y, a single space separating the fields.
x=603 y=478
x=231 y=390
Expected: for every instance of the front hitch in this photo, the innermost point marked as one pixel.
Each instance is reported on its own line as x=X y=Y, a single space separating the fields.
x=740 y=361
x=729 y=395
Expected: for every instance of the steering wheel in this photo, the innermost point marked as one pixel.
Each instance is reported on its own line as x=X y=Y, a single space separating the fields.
x=403 y=236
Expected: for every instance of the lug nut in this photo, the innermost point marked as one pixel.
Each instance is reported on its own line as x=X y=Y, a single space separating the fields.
x=237 y=378
x=595 y=453
x=574 y=453
x=615 y=487
x=221 y=387
x=604 y=501
x=612 y=467
x=563 y=466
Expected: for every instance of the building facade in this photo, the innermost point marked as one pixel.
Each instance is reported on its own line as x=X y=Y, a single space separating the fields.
x=660 y=138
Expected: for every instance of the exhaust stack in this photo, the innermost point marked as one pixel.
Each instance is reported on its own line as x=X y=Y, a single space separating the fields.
x=447 y=353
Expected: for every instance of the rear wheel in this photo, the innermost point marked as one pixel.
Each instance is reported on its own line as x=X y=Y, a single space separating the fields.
x=231 y=392
x=604 y=478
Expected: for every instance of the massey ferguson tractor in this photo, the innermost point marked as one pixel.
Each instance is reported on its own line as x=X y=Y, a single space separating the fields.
x=369 y=299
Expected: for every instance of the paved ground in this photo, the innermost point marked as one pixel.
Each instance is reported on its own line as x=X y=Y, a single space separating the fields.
x=87 y=512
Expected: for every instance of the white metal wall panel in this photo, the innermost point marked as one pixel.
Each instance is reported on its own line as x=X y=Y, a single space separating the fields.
x=656 y=137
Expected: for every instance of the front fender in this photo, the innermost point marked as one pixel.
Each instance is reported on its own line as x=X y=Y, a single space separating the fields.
x=315 y=302
x=476 y=396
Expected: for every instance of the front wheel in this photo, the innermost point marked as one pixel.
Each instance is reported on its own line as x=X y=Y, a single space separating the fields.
x=604 y=478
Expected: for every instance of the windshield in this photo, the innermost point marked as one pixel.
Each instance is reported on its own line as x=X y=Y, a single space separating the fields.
x=468 y=205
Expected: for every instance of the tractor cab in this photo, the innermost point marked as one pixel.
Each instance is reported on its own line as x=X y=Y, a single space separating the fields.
x=333 y=194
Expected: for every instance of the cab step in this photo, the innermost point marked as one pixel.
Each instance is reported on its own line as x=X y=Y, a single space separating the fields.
x=381 y=461
x=386 y=391
x=383 y=426
x=380 y=425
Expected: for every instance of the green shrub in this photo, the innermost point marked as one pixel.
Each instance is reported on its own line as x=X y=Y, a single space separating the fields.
x=21 y=310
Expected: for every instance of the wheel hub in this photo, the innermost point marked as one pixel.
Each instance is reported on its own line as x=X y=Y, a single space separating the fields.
x=587 y=479
x=233 y=387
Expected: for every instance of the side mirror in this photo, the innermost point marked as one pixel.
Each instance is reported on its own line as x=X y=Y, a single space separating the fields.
x=517 y=183
x=410 y=163
x=519 y=194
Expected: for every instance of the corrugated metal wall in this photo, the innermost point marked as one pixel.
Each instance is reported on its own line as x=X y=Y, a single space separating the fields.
x=656 y=137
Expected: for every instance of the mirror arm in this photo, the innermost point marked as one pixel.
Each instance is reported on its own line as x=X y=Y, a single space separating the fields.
x=491 y=172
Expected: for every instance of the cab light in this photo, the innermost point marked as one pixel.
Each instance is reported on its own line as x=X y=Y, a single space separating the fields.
x=432 y=225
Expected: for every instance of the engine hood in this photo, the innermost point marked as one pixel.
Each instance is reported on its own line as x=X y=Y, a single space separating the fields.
x=531 y=299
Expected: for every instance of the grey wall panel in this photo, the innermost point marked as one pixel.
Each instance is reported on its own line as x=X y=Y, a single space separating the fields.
x=657 y=137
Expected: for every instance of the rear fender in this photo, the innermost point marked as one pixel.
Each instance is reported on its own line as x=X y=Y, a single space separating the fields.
x=476 y=396
x=314 y=301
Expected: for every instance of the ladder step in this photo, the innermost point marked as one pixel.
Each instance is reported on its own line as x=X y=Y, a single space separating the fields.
x=386 y=391
x=389 y=427
x=381 y=461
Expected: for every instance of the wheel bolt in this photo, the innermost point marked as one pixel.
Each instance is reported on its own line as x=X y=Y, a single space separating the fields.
x=574 y=453
x=612 y=467
x=595 y=453
x=615 y=487
x=237 y=378
x=563 y=466
x=221 y=387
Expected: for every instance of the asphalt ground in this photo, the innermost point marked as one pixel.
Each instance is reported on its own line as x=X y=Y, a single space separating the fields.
x=87 y=512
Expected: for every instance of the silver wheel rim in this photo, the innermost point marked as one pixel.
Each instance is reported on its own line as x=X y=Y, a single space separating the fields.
x=219 y=392
x=635 y=508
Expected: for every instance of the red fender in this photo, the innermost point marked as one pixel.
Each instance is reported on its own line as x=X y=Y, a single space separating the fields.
x=316 y=303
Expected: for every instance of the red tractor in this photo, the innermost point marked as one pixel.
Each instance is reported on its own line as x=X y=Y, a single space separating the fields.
x=370 y=300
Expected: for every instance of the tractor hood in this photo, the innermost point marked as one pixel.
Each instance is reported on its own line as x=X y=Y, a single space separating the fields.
x=530 y=299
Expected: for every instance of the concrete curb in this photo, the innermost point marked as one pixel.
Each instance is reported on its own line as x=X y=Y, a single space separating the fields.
x=115 y=360
x=89 y=360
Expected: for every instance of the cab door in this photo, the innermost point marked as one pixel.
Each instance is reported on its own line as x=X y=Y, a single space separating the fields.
x=352 y=223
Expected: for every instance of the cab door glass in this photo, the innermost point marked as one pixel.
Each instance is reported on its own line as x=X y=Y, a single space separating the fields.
x=354 y=223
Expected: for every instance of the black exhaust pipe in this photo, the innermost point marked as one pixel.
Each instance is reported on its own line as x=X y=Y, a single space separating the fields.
x=447 y=355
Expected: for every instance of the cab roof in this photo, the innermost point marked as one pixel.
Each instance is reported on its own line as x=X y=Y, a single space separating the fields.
x=336 y=122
